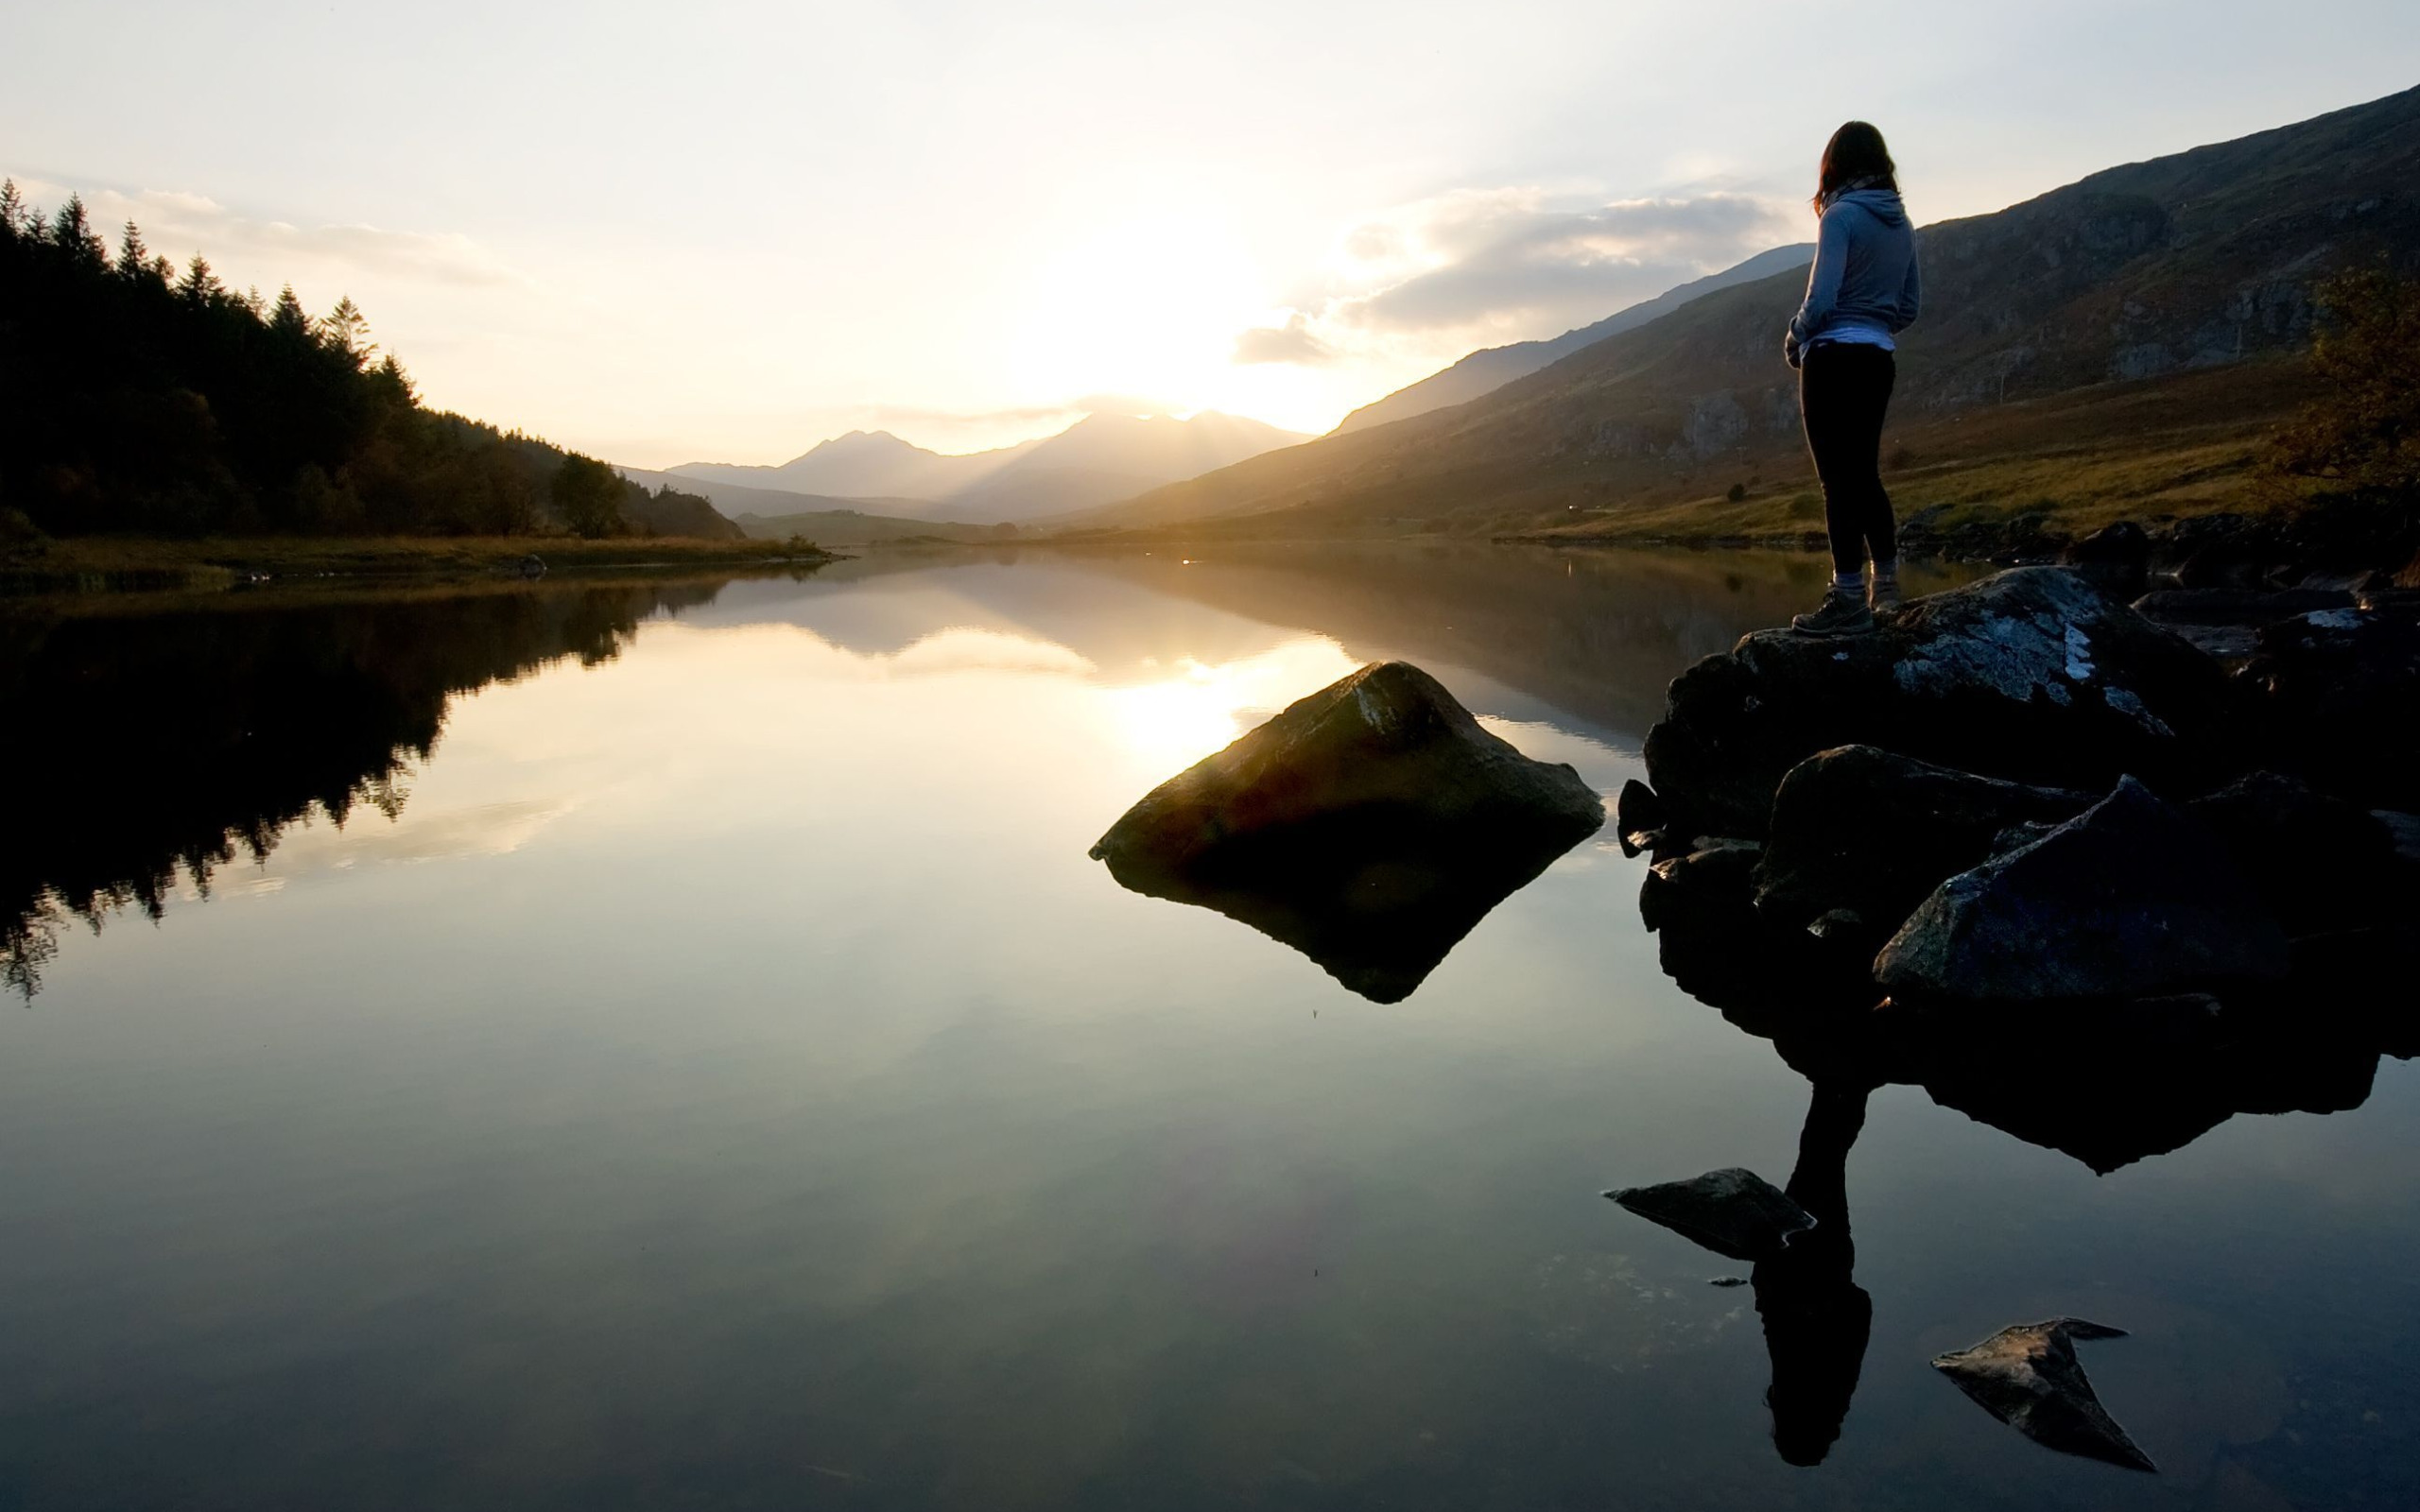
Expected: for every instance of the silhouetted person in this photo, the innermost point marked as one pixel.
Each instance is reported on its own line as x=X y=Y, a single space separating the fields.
x=1816 y=1317
x=1862 y=291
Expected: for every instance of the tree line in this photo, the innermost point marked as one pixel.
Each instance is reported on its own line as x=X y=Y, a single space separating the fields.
x=138 y=397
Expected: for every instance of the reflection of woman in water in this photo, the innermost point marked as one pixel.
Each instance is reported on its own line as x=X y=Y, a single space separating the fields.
x=1861 y=292
x=1816 y=1316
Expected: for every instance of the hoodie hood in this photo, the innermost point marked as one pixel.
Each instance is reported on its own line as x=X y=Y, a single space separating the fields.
x=1882 y=204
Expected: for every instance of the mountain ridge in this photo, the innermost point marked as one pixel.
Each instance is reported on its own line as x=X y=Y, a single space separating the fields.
x=1099 y=458
x=1491 y=368
x=2149 y=272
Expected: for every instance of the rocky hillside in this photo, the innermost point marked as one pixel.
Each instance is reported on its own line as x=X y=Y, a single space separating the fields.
x=2146 y=283
x=1492 y=368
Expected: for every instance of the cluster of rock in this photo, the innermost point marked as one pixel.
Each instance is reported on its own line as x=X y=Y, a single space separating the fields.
x=2024 y=791
x=2331 y=541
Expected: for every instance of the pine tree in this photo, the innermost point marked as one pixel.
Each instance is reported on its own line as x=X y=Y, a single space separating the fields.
x=133 y=258
x=200 y=285
x=287 y=321
x=400 y=388
x=13 y=215
x=346 y=332
x=71 y=232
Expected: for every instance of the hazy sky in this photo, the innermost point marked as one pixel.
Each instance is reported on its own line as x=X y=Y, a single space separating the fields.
x=719 y=230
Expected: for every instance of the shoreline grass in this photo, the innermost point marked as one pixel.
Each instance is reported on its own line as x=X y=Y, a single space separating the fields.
x=144 y=564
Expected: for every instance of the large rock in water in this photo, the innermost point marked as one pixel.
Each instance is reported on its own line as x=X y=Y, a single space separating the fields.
x=1369 y=825
x=1859 y=837
x=1735 y=1213
x=2132 y=898
x=2034 y=674
x=2028 y=1377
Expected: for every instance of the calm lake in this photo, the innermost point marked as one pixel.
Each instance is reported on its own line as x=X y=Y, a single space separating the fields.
x=703 y=1069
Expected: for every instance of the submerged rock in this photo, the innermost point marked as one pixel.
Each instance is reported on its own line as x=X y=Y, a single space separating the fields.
x=2028 y=1377
x=2035 y=675
x=1730 y=1211
x=1859 y=836
x=1370 y=826
x=2129 y=898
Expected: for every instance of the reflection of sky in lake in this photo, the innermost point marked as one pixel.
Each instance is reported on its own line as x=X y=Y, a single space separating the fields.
x=729 y=1083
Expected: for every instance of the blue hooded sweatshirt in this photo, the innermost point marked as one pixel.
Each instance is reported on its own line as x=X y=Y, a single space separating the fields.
x=1863 y=287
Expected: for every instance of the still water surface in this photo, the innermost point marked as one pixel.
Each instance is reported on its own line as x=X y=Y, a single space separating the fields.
x=704 y=1069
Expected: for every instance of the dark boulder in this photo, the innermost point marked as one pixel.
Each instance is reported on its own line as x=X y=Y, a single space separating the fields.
x=1369 y=825
x=2034 y=674
x=2117 y=557
x=1730 y=1211
x=2321 y=863
x=2128 y=899
x=1860 y=836
x=2339 y=696
x=2028 y=1377
x=1707 y=891
x=1638 y=818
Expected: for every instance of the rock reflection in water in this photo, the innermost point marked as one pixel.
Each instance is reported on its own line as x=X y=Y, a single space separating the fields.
x=1378 y=898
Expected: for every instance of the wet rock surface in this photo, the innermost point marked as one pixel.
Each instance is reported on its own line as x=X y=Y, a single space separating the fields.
x=1733 y=1212
x=2035 y=675
x=1867 y=833
x=1369 y=825
x=2133 y=897
x=2028 y=1378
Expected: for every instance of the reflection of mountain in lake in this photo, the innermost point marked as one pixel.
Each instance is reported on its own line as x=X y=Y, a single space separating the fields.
x=171 y=741
x=1595 y=635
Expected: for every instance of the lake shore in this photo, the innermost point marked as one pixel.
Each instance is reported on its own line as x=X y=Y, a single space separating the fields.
x=131 y=564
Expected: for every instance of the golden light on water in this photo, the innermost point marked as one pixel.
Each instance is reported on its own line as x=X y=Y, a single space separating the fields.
x=1199 y=707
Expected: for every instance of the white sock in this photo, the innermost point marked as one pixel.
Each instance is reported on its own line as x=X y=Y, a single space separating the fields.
x=1886 y=571
x=1848 y=582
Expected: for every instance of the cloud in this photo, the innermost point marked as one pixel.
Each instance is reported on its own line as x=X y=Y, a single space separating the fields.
x=1478 y=257
x=179 y=225
x=1291 y=342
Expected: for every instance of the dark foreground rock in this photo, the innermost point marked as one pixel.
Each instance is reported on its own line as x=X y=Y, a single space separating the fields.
x=1370 y=826
x=2339 y=700
x=2320 y=863
x=2028 y=1377
x=2117 y=557
x=1859 y=837
x=1730 y=1211
x=2131 y=898
x=2035 y=675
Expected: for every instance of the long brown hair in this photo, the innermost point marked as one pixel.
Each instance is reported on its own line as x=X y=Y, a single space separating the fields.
x=1856 y=151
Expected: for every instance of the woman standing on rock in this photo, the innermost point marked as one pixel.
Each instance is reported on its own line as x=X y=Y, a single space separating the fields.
x=1860 y=293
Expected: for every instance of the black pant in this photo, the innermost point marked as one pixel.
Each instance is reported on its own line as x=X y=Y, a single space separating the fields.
x=1843 y=391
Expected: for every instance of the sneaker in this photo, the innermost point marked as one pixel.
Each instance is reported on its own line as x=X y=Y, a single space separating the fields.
x=1884 y=594
x=1839 y=614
